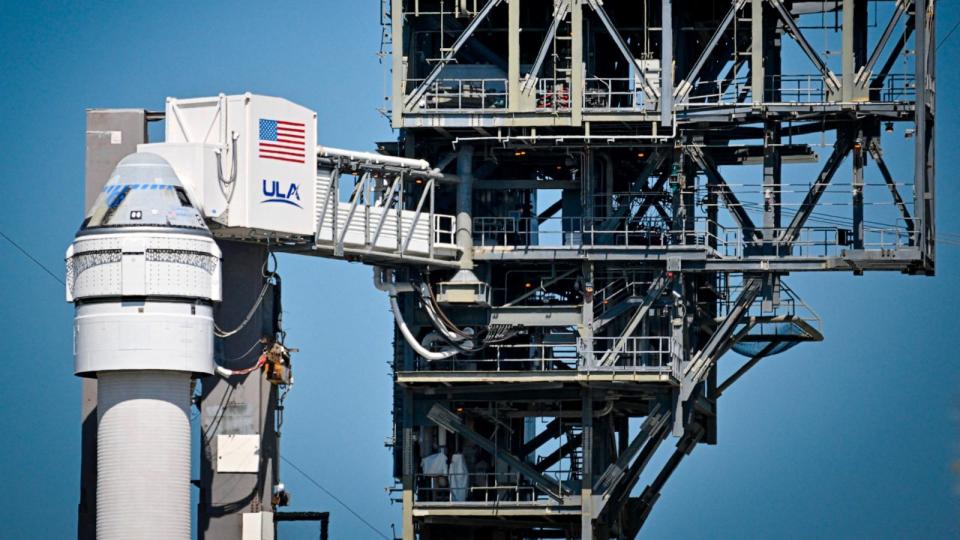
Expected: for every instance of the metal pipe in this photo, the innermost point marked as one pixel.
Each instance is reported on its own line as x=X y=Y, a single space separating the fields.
x=387 y=286
x=371 y=157
x=464 y=234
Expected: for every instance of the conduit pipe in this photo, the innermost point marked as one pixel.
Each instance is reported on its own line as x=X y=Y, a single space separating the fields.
x=386 y=285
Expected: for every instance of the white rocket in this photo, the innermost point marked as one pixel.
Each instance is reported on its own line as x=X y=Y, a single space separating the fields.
x=143 y=273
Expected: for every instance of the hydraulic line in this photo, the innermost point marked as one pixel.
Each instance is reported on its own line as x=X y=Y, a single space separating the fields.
x=385 y=285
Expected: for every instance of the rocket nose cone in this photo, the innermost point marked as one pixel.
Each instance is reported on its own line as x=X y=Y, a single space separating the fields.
x=143 y=191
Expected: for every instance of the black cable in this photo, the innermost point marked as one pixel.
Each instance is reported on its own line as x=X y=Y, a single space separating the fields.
x=946 y=37
x=32 y=258
x=334 y=497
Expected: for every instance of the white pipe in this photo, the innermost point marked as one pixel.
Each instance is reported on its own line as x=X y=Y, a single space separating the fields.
x=143 y=456
x=386 y=286
x=330 y=152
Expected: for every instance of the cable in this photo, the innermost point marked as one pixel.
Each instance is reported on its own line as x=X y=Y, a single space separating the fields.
x=334 y=497
x=253 y=309
x=267 y=274
x=32 y=258
x=244 y=355
x=946 y=37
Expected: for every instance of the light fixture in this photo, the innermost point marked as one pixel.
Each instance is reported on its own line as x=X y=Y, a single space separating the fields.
x=889 y=127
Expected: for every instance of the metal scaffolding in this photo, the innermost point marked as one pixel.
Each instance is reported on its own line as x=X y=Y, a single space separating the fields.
x=644 y=175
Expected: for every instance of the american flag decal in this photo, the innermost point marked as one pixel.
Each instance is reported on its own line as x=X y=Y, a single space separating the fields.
x=283 y=141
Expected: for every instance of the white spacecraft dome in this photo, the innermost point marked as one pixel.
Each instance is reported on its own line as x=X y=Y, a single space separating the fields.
x=143 y=191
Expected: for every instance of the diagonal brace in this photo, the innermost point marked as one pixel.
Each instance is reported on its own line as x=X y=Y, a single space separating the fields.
x=685 y=86
x=611 y=476
x=840 y=150
x=863 y=76
x=829 y=78
x=877 y=154
x=445 y=418
x=461 y=39
x=652 y=492
x=648 y=90
x=554 y=457
x=653 y=293
x=730 y=200
x=531 y=81
x=764 y=352
x=719 y=341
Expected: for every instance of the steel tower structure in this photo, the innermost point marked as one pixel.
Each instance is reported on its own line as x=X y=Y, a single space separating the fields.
x=632 y=180
x=589 y=204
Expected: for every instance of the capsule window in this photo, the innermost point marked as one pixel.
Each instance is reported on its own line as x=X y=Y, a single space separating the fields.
x=182 y=195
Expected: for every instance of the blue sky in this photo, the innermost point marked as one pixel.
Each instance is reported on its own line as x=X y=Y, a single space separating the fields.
x=849 y=438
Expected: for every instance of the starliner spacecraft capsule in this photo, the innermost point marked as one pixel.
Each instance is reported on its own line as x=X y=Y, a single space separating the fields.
x=144 y=273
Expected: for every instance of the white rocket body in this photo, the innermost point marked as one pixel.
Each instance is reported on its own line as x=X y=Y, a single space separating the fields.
x=143 y=273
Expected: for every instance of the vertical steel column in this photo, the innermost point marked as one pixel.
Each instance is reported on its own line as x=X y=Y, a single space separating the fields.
x=854 y=47
x=397 y=30
x=586 y=490
x=586 y=325
x=772 y=174
x=577 y=76
x=923 y=187
x=408 y=465
x=757 y=76
x=666 y=62
x=770 y=54
x=513 y=56
x=859 y=158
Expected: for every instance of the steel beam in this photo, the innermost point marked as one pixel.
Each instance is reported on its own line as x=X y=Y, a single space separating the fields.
x=619 y=495
x=586 y=476
x=876 y=85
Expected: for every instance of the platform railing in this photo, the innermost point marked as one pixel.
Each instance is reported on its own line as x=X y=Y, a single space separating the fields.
x=638 y=354
x=504 y=488
x=609 y=94
x=623 y=94
x=816 y=242
x=447 y=95
x=600 y=231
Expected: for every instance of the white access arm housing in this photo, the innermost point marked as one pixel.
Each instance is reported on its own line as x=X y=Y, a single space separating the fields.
x=249 y=161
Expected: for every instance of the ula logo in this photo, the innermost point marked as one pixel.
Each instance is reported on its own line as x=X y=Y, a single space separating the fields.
x=275 y=194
